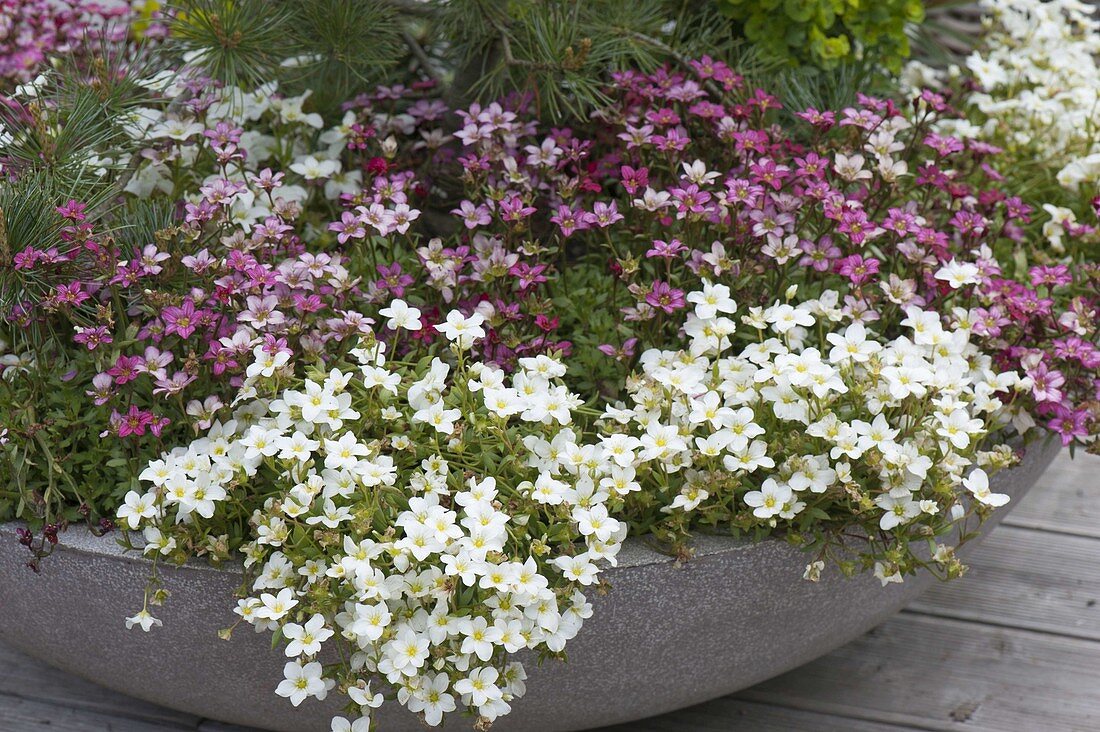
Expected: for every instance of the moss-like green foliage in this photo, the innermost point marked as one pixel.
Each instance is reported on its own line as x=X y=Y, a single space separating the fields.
x=825 y=33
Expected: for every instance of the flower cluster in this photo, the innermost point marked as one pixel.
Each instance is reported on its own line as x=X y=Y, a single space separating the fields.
x=32 y=32
x=1040 y=84
x=779 y=435
x=338 y=347
x=430 y=517
x=688 y=177
x=151 y=329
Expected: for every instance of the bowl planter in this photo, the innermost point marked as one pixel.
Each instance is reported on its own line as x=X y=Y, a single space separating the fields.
x=667 y=636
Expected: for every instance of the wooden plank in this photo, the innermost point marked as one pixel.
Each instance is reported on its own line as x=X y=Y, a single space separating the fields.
x=25 y=679
x=1065 y=500
x=210 y=725
x=26 y=715
x=934 y=673
x=736 y=715
x=1029 y=579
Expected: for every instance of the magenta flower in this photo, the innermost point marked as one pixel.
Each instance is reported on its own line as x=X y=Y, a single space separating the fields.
x=857 y=269
x=514 y=209
x=126 y=369
x=71 y=294
x=93 y=337
x=663 y=296
x=1054 y=276
x=528 y=275
x=393 y=279
x=134 y=422
x=181 y=320
x=73 y=210
x=634 y=180
x=943 y=145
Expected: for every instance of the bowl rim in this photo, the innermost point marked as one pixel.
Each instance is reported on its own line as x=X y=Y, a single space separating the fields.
x=637 y=551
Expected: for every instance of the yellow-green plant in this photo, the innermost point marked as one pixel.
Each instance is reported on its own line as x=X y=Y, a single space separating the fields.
x=826 y=33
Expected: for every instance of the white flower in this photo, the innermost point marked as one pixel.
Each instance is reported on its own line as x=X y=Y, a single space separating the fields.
x=770 y=499
x=851 y=168
x=784 y=317
x=479 y=687
x=432 y=699
x=978 y=485
x=462 y=330
x=887 y=574
x=401 y=316
x=311 y=168
x=301 y=682
x=957 y=427
x=407 y=651
x=958 y=274
x=306 y=639
x=144 y=620
x=136 y=507
x=852 y=345
x=711 y=300
x=578 y=569
x=275 y=607
x=898 y=511
x=341 y=724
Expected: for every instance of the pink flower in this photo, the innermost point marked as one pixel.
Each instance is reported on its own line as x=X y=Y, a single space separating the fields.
x=473 y=216
x=1046 y=383
x=262 y=312
x=634 y=180
x=666 y=250
x=101 y=391
x=605 y=214
x=620 y=353
x=569 y=220
x=1070 y=427
x=348 y=227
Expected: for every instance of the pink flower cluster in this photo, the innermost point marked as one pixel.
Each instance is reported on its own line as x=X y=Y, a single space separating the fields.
x=687 y=176
x=31 y=31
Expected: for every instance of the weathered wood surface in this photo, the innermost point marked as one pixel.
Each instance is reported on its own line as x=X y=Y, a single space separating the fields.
x=1013 y=646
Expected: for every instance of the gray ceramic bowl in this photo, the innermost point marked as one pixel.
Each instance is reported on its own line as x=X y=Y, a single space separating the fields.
x=665 y=637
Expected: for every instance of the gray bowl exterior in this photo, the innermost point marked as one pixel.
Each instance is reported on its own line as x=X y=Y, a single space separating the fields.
x=667 y=635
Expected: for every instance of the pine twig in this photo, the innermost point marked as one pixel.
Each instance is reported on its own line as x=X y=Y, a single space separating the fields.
x=421 y=55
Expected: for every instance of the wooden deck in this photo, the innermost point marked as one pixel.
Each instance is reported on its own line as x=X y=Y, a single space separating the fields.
x=1015 y=646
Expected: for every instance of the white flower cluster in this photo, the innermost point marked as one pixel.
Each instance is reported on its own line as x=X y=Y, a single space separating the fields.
x=430 y=520
x=877 y=432
x=1041 y=83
